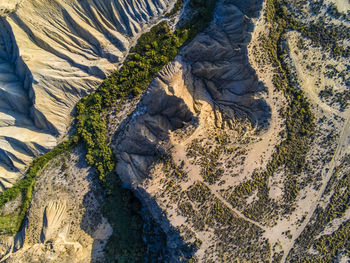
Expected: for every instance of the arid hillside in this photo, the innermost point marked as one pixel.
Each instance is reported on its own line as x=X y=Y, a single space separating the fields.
x=223 y=137
x=51 y=54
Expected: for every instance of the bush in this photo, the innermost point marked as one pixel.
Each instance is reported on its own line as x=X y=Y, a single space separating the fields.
x=153 y=51
x=291 y=153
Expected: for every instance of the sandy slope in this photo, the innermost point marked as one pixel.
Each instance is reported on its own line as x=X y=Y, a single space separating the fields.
x=64 y=222
x=51 y=54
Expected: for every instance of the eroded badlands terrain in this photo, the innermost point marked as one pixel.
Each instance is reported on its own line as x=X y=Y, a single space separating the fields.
x=51 y=54
x=238 y=151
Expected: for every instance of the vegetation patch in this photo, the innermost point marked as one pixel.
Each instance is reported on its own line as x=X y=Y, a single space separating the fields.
x=234 y=236
x=11 y=223
x=153 y=50
x=177 y=7
x=291 y=153
x=335 y=98
x=322 y=33
x=330 y=245
x=209 y=159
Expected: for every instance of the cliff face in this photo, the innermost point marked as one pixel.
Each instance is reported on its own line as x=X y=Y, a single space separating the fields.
x=210 y=82
x=238 y=150
x=230 y=167
x=51 y=54
x=207 y=96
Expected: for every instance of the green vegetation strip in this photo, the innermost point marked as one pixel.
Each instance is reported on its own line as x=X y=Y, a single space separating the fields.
x=153 y=51
x=177 y=7
x=300 y=125
x=10 y=224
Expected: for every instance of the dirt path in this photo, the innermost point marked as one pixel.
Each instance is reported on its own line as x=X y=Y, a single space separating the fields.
x=239 y=214
x=342 y=145
x=195 y=176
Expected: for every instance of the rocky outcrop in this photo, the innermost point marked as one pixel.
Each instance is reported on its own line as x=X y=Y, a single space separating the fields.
x=160 y=111
x=51 y=54
x=208 y=90
x=64 y=222
x=53 y=216
x=211 y=80
x=8 y=6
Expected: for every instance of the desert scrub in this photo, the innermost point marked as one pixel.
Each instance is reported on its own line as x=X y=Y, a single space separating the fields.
x=209 y=160
x=10 y=224
x=235 y=237
x=186 y=209
x=335 y=98
x=177 y=7
x=152 y=52
x=198 y=192
x=300 y=124
x=329 y=246
x=322 y=33
x=171 y=169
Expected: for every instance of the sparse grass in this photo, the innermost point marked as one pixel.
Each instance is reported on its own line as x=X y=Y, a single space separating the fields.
x=153 y=50
x=329 y=245
x=291 y=153
x=234 y=237
x=208 y=159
